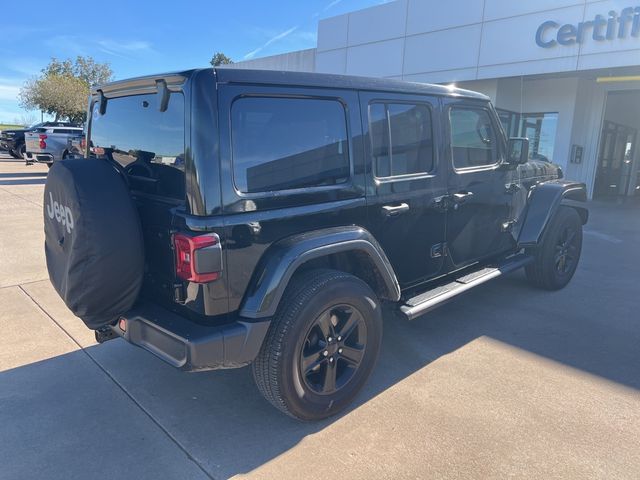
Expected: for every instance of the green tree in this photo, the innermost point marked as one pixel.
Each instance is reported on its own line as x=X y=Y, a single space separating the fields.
x=220 y=58
x=84 y=68
x=63 y=87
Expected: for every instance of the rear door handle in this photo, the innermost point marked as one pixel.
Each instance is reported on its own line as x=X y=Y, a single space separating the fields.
x=462 y=197
x=393 y=210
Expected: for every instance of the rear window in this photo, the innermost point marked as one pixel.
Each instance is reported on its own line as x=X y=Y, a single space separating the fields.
x=148 y=143
x=288 y=143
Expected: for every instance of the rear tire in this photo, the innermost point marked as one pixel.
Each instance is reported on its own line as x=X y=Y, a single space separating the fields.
x=556 y=259
x=322 y=345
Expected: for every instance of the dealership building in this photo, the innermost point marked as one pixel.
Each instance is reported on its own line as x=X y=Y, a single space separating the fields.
x=564 y=73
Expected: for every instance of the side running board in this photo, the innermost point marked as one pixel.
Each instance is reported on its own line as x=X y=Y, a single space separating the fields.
x=427 y=301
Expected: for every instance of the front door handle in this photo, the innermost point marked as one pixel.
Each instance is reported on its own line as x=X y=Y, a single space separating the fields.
x=462 y=197
x=394 y=210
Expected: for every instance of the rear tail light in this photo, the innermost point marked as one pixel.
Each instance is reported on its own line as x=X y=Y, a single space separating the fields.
x=43 y=144
x=198 y=259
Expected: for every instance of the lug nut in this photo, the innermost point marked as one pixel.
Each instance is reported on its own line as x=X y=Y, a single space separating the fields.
x=339 y=350
x=331 y=360
x=325 y=353
x=339 y=338
x=329 y=339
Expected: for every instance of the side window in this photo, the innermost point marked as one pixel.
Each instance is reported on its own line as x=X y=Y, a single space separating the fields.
x=288 y=143
x=473 y=139
x=401 y=139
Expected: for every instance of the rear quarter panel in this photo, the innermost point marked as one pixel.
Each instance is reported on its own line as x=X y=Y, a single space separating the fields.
x=253 y=222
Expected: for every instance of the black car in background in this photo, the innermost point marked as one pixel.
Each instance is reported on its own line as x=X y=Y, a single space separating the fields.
x=13 y=140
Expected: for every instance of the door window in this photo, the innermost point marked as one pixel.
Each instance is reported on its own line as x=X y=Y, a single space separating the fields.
x=288 y=143
x=401 y=139
x=473 y=138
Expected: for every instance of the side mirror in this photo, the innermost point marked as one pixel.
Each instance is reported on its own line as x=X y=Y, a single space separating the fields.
x=518 y=151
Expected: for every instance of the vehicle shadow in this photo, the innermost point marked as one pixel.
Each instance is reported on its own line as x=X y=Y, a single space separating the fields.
x=224 y=424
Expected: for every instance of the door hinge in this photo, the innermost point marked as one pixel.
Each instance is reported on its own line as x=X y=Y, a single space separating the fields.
x=438 y=250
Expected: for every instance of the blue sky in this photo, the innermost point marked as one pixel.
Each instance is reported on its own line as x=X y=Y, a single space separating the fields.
x=142 y=37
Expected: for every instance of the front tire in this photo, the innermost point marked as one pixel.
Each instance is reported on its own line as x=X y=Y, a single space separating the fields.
x=556 y=259
x=322 y=345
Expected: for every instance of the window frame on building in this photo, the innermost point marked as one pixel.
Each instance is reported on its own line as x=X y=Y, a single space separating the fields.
x=517 y=127
x=534 y=144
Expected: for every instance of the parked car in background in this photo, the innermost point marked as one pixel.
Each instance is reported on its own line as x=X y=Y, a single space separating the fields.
x=14 y=142
x=50 y=144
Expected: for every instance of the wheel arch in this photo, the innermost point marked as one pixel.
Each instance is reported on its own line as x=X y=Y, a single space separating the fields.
x=351 y=249
x=542 y=204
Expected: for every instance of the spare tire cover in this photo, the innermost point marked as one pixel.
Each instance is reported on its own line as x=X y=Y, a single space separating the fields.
x=93 y=240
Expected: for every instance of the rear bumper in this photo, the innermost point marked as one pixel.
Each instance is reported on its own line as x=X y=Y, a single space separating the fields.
x=40 y=157
x=190 y=346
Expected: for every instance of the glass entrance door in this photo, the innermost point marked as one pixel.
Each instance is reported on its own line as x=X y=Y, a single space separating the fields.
x=615 y=162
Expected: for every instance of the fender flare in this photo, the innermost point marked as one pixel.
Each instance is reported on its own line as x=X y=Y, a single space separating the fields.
x=284 y=257
x=542 y=204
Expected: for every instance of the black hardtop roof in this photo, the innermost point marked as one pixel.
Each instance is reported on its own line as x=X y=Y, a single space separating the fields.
x=302 y=79
x=350 y=82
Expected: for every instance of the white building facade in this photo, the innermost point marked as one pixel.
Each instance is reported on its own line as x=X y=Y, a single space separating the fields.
x=565 y=73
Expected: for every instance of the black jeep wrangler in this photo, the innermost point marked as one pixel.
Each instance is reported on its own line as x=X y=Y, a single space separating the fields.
x=231 y=217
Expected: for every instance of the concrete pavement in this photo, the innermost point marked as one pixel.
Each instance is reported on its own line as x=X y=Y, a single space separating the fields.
x=506 y=381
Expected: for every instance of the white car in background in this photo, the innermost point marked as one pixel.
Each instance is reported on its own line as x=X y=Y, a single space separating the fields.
x=50 y=144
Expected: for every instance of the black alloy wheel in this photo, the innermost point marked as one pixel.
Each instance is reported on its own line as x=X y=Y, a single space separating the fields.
x=556 y=259
x=566 y=250
x=333 y=349
x=321 y=346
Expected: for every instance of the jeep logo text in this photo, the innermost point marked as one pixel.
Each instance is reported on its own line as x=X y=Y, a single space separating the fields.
x=61 y=213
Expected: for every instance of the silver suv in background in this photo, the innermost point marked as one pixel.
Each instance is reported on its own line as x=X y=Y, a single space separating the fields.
x=50 y=144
